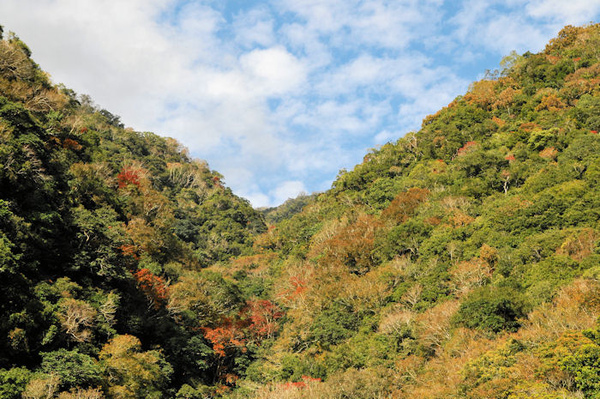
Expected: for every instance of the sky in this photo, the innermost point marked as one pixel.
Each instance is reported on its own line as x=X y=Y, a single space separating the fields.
x=280 y=95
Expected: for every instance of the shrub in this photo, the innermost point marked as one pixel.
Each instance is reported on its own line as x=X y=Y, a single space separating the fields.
x=492 y=310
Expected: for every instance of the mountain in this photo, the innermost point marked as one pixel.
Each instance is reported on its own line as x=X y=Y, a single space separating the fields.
x=461 y=261
x=103 y=231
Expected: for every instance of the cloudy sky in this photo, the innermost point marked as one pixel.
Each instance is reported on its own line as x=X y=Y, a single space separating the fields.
x=279 y=95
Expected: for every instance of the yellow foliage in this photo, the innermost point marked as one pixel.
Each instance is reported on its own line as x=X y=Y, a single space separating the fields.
x=365 y=293
x=352 y=246
x=80 y=393
x=498 y=121
x=458 y=218
x=256 y=265
x=482 y=93
x=488 y=254
x=433 y=326
x=193 y=293
x=551 y=102
x=579 y=246
x=14 y=63
x=144 y=236
x=131 y=372
x=529 y=126
x=42 y=388
x=504 y=100
x=189 y=175
x=575 y=307
x=582 y=81
x=441 y=376
x=291 y=288
x=351 y=383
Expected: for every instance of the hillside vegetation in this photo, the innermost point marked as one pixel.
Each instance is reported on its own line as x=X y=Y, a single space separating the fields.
x=462 y=261
x=105 y=234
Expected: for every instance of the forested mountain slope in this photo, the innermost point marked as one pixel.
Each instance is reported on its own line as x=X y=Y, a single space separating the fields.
x=461 y=261
x=104 y=235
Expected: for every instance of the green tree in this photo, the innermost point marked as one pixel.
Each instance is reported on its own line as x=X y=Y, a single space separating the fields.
x=492 y=310
x=74 y=369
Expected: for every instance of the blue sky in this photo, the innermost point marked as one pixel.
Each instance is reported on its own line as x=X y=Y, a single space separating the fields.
x=278 y=96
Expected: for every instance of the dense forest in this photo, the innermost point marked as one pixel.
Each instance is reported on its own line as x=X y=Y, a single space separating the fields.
x=462 y=261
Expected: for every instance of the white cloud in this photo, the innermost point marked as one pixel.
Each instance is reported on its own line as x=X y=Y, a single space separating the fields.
x=505 y=33
x=254 y=28
x=287 y=190
x=575 y=12
x=503 y=26
x=272 y=71
x=380 y=23
x=365 y=71
x=342 y=119
x=387 y=136
x=307 y=42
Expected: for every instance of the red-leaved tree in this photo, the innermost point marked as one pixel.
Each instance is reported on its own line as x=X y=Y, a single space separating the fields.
x=263 y=315
x=128 y=176
x=154 y=287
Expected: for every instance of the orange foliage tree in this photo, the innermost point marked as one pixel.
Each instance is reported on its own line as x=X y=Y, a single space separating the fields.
x=262 y=315
x=482 y=93
x=256 y=321
x=353 y=246
x=154 y=287
x=229 y=335
x=404 y=205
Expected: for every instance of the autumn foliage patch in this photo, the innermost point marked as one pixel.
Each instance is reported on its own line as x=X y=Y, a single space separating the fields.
x=154 y=287
x=256 y=321
x=128 y=176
